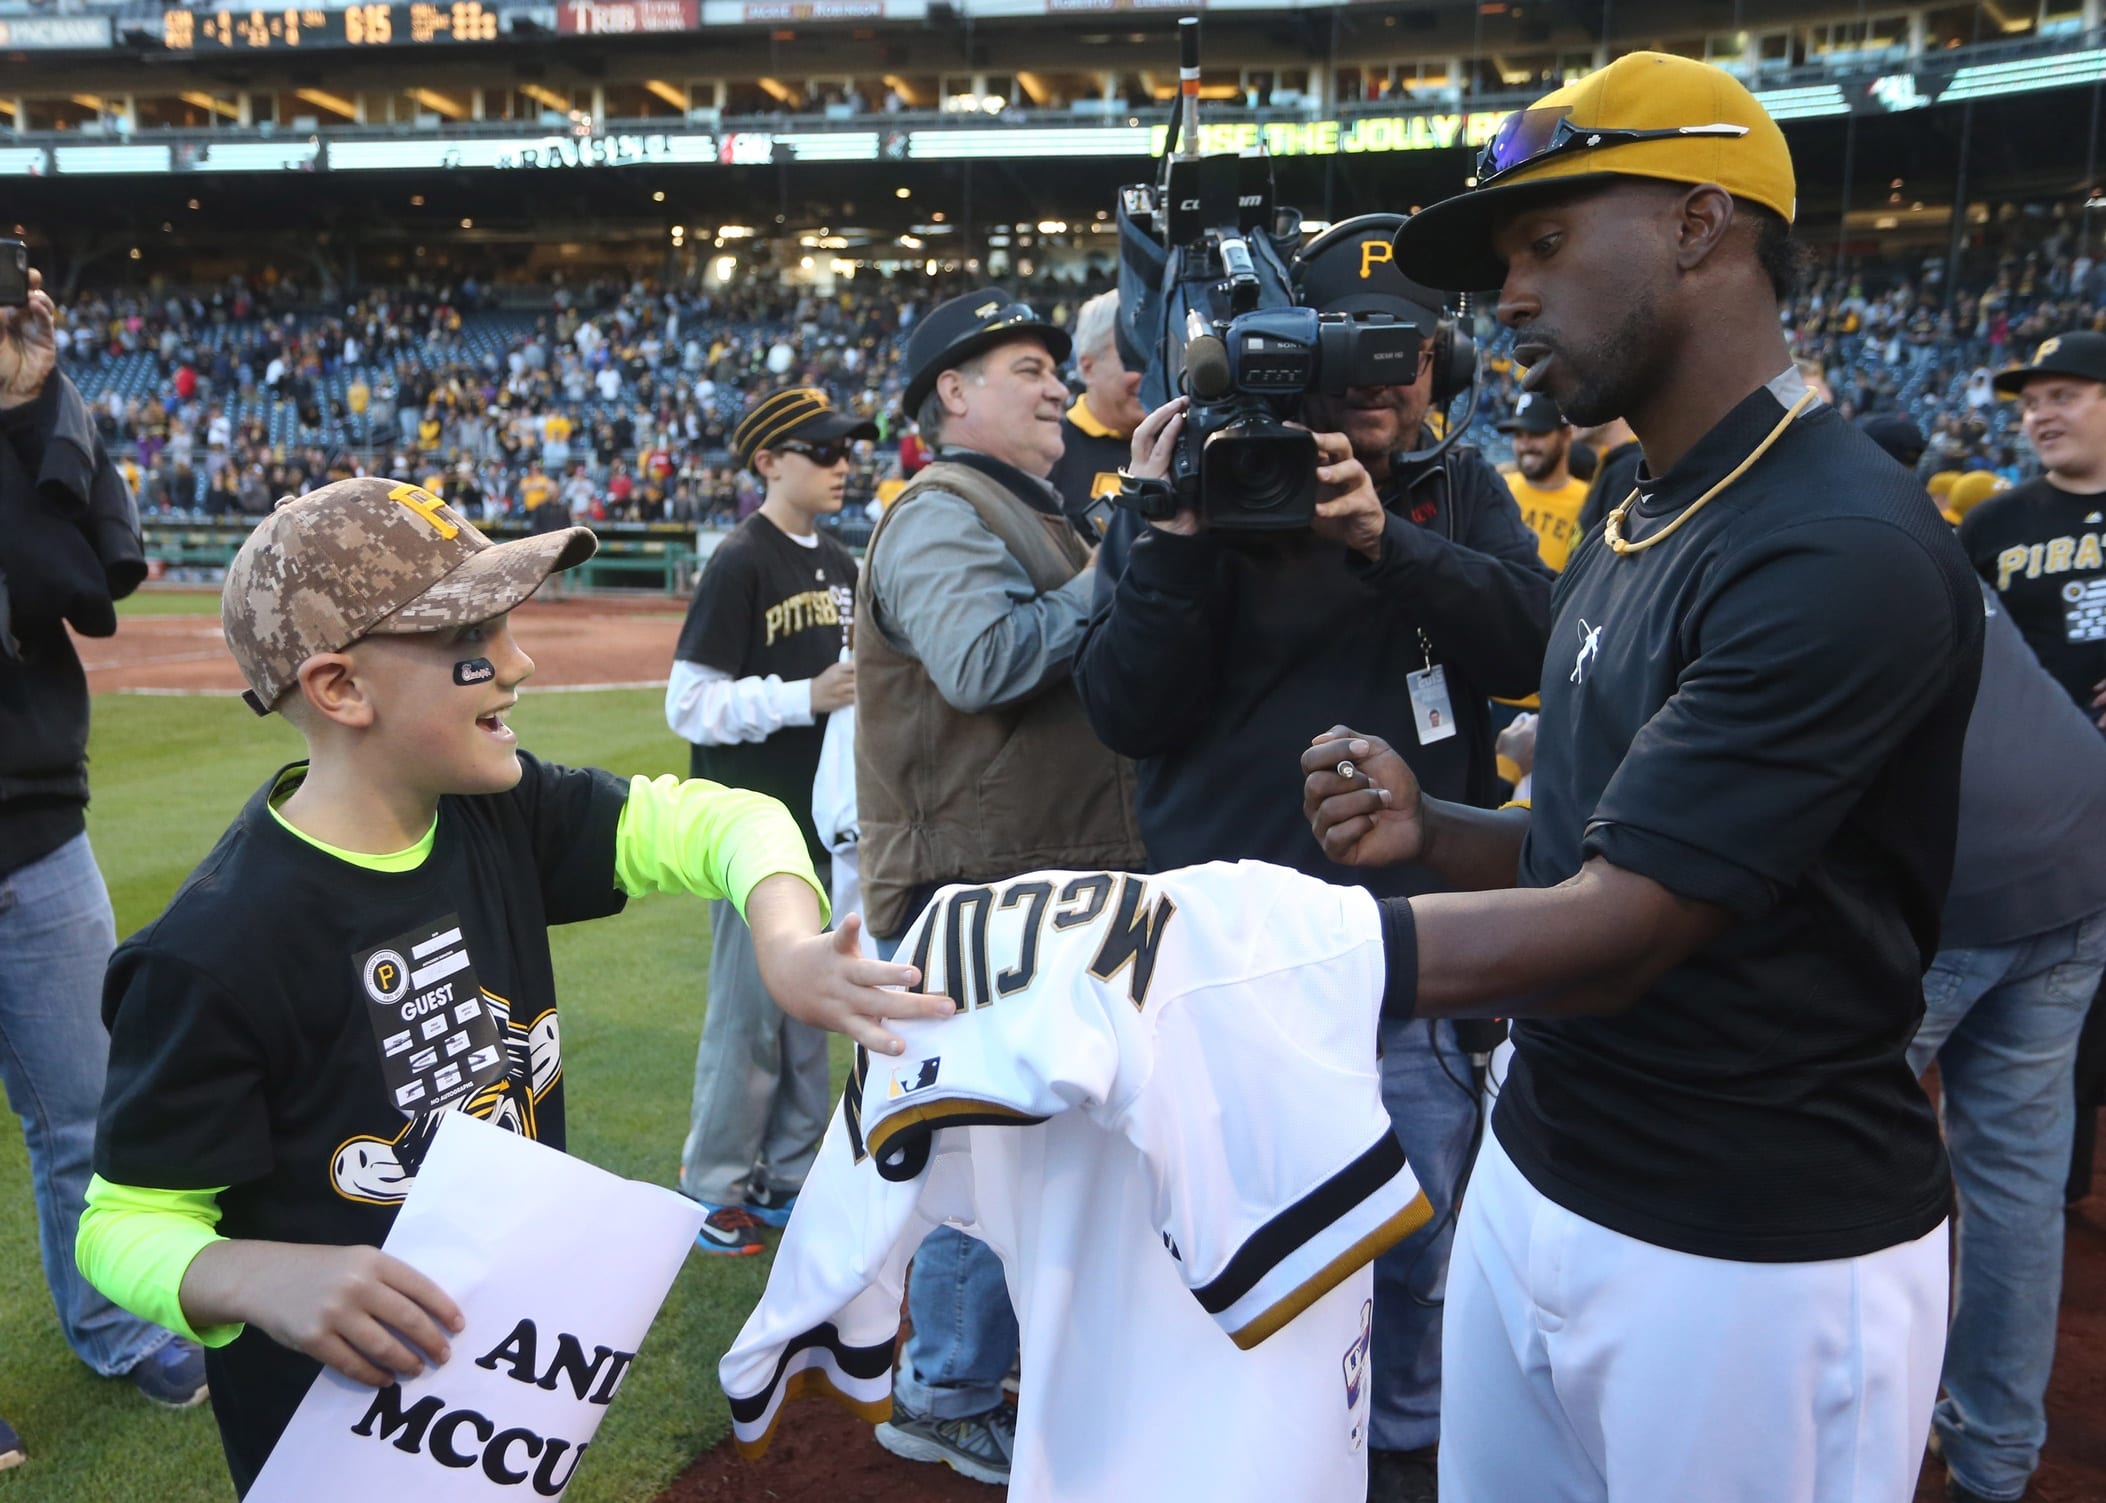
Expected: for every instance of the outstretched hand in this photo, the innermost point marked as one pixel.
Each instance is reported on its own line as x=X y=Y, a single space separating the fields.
x=1375 y=816
x=824 y=980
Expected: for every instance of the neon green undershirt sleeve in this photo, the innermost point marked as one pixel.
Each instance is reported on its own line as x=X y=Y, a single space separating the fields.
x=135 y=1246
x=694 y=836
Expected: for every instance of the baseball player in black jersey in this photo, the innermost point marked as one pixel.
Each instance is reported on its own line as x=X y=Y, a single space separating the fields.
x=1703 y=1251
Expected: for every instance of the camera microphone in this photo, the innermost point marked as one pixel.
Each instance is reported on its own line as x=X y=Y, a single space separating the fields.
x=1207 y=373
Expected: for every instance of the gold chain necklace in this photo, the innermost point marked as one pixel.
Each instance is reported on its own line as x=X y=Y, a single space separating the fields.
x=1612 y=529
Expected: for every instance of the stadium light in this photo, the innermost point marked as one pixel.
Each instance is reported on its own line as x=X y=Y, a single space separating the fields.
x=902 y=192
x=658 y=197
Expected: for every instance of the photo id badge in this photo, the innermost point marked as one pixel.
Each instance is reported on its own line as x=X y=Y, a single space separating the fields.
x=1429 y=704
x=438 y=1038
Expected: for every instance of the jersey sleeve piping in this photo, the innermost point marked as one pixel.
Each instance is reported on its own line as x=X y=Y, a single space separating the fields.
x=894 y=1140
x=1310 y=1247
x=859 y=1378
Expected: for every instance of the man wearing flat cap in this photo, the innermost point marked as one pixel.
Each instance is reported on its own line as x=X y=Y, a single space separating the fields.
x=759 y=666
x=974 y=761
x=1703 y=1252
x=1416 y=594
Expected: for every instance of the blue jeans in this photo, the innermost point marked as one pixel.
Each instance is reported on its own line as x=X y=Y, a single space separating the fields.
x=56 y=934
x=965 y=1333
x=1433 y=1117
x=2002 y=1024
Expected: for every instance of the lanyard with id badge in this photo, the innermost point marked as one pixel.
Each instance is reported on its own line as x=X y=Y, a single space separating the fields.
x=1431 y=710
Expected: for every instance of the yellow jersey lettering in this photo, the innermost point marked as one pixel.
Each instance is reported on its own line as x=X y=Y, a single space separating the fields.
x=2088 y=552
x=427 y=506
x=2033 y=558
x=2008 y=563
x=2059 y=552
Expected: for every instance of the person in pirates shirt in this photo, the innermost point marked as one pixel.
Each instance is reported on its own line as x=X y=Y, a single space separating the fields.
x=2042 y=545
x=1704 y=1249
x=1097 y=433
x=1618 y=455
x=757 y=670
x=367 y=948
x=1419 y=594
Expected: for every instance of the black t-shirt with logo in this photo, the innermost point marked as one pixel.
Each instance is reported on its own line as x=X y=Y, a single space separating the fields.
x=1764 y=712
x=2043 y=549
x=767 y=605
x=292 y=1025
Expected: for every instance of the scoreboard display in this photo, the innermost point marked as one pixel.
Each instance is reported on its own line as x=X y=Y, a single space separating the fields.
x=352 y=26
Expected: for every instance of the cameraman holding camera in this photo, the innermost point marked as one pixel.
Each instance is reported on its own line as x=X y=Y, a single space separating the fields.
x=1415 y=594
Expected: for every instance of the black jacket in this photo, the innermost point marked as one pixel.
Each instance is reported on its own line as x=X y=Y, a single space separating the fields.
x=69 y=548
x=1213 y=662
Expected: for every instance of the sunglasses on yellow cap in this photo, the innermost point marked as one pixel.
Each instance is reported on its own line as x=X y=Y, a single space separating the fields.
x=1531 y=136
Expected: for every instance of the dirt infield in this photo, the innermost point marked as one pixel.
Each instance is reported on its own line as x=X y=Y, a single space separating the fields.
x=822 y=1452
x=577 y=642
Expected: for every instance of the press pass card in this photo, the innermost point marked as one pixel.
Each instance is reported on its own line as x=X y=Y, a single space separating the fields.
x=1430 y=708
x=439 y=1039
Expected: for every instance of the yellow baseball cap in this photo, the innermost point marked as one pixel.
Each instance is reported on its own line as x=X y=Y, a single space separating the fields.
x=1648 y=115
x=1971 y=490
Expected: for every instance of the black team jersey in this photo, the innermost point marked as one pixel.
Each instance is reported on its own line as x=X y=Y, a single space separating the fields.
x=2043 y=549
x=1764 y=712
x=765 y=606
x=293 y=1025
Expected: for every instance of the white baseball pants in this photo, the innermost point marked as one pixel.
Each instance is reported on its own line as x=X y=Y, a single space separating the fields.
x=1580 y=1365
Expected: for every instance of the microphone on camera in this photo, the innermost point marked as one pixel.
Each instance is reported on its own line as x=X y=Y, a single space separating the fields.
x=1207 y=373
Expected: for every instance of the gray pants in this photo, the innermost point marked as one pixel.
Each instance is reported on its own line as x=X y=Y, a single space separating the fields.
x=761 y=1090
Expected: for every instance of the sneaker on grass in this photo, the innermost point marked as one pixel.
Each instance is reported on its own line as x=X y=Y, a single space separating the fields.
x=173 y=1375
x=730 y=1232
x=11 y=1452
x=978 y=1446
x=771 y=1207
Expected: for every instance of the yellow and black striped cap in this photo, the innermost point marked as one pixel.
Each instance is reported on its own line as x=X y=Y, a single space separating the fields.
x=800 y=412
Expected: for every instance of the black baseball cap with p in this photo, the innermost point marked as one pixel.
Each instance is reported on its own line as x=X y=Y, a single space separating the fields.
x=1534 y=413
x=1647 y=115
x=2080 y=353
x=370 y=557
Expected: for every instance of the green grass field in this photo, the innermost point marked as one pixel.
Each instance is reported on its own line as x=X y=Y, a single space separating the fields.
x=175 y=602
x=168 y=775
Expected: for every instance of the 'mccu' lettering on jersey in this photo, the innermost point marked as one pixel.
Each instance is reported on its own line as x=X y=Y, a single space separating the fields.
x=1132 y=939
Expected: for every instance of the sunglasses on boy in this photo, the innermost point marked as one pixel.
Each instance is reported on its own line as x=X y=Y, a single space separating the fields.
x=825 y=455
x=1532 y=136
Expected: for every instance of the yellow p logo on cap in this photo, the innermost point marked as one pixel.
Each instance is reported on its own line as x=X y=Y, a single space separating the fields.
x=1372 y=252
x=427 y=506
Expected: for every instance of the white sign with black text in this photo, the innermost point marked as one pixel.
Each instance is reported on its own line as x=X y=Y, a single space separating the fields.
x=559 y=1269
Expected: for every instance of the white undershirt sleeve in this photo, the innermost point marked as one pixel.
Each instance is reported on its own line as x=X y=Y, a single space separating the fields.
x=711 y=708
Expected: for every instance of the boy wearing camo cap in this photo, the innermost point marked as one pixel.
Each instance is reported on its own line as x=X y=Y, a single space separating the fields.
x=366 y=947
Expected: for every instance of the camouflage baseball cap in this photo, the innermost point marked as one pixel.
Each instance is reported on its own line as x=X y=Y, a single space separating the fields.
x=363 y=557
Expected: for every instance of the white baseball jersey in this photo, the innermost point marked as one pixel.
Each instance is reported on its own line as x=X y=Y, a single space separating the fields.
x=1159 y=1105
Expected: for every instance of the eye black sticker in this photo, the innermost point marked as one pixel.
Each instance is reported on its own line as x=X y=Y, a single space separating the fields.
x=473 y=671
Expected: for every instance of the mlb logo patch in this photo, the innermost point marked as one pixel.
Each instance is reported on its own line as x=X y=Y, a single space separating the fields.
x=908 y=1079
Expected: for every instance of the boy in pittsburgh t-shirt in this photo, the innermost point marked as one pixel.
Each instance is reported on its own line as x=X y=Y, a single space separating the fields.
x=367 y=947
x=757 y=672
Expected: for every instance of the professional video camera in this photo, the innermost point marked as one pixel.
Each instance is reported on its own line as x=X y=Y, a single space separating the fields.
x=1206 y=310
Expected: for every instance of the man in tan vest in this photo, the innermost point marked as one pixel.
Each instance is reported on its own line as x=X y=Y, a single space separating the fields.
x=974 y=761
